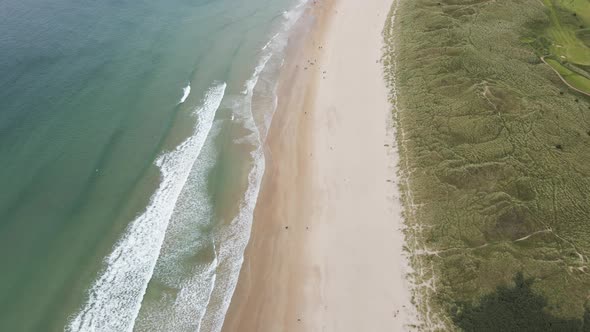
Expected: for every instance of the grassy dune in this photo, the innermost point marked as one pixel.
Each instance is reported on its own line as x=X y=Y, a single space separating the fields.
x=495 y=155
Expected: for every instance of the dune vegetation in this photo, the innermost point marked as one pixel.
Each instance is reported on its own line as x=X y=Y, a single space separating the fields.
x=495 y=160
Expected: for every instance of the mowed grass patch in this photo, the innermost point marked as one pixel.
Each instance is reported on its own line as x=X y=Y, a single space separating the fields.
x=576 y=80
x=568 y=34
x=495 y=151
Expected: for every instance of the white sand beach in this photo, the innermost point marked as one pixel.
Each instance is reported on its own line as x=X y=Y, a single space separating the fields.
x=326 y=251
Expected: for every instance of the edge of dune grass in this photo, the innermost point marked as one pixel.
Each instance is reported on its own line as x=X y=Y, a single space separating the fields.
x=420 y=275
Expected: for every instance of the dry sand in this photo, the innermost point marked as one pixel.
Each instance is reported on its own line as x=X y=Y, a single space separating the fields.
x=326 y=247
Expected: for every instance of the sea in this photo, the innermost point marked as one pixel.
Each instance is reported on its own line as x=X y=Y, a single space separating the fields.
x=131 y=157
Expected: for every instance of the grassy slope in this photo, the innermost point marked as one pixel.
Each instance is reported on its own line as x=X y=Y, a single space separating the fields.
x=496 y=151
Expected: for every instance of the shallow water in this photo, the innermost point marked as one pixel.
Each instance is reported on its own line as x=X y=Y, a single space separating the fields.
x=130 y=158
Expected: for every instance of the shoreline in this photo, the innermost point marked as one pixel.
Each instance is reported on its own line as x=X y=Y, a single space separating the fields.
x=326 y=248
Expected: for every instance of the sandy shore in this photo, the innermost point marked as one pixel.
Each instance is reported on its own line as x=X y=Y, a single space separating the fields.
x=326 y=247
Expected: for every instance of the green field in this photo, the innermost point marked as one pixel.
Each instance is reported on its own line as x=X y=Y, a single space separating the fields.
x=495 y=162
x=575 y=80
x=569 y=40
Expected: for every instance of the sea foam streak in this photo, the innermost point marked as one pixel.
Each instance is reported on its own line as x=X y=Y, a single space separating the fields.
x=185 y=92
x=115 y=298
x=233 y=240
x=181 y=284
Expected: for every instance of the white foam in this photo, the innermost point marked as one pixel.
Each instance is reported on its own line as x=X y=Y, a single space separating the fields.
x=186 y=91
x=184 y=276
x=270 y=41
x=214 y=277
x=232 y=242
x=114 y=300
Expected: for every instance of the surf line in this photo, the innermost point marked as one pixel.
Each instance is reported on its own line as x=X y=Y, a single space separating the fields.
x=114 y=300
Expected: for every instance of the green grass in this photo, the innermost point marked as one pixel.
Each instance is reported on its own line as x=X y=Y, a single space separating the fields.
x=567 y=18
x=578 y=81
x=568 y=33
x=495 y=153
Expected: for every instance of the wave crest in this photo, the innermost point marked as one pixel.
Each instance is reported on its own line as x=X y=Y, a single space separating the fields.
x=186 y=91
x=114 y=300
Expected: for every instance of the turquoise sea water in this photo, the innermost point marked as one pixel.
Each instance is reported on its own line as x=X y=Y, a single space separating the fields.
x=130 y=157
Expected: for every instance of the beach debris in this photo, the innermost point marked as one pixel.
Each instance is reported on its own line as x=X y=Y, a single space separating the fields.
x=558 y=146
x=286 y=227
